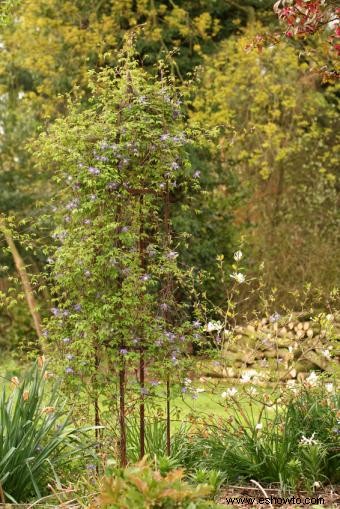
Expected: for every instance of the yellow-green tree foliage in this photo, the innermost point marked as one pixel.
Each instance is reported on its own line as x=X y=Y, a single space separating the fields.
x=49 y=45
x=47 y=48
x=283 y=154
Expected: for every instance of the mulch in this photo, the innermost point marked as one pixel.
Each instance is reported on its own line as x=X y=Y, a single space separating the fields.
x=329 y=497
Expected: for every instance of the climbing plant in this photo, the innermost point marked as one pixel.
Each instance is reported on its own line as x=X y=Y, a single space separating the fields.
x=117 y=280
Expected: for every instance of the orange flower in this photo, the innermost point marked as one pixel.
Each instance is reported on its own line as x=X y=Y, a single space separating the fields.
x=41 y=361
x=48 y=410
x=15 y=381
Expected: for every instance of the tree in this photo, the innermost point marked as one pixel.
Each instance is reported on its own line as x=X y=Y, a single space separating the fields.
x=304 y=19
x=280 y=142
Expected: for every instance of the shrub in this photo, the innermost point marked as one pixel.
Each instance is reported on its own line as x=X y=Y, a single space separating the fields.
x=36 y=436
x=141 y=487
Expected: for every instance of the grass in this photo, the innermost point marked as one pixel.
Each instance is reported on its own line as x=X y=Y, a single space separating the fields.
x=207 y=404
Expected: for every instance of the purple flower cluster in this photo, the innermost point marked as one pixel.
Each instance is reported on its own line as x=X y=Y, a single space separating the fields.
x=275 y=317
x=59 y=312
x=60 y=236
x=172 y=255
x=94 y=171
x=73 y=204
x=104 y=159
x=112 y=186
x=171 y=336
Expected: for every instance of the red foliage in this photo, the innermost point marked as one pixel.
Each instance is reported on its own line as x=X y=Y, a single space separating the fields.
x=306 y=17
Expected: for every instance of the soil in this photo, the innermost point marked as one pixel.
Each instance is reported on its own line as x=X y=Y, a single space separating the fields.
x=272 y=497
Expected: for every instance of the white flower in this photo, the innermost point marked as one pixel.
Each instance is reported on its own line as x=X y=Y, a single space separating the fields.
x=187 y=381
x=245 y=378
x=238 y=276
x=308 y=441
x=291 y=384
x=248 y=375
x=229 y=393
x=212 y=326
x=252 y=391
x=238 y=256
x=258 y=426
x=329 y=387
x=326 y=354
x=316 y=484
x=199 y=389
x=312 y=379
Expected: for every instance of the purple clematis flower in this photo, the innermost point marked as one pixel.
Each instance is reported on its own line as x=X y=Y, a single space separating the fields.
x=93 y=170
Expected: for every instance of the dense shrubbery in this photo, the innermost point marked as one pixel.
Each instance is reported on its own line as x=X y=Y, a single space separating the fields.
x=290 y=440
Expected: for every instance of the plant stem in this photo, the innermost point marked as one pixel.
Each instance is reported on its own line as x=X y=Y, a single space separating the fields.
x=20 y=266
x=168 y=420
x=141 y=355
x=96 y=402
x=167 y=290
x=122 y=423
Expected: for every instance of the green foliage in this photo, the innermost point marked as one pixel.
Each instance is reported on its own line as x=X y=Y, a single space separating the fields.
x=279 y=139
x=213 y=478
x=141 y=487
x=155 y=443
x=283 y=443
x=117 y=277
x=36 y=436
x=315 y=413
x=155 y=438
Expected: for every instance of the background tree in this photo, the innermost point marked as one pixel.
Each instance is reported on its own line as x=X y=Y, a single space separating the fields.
x=282 y=156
